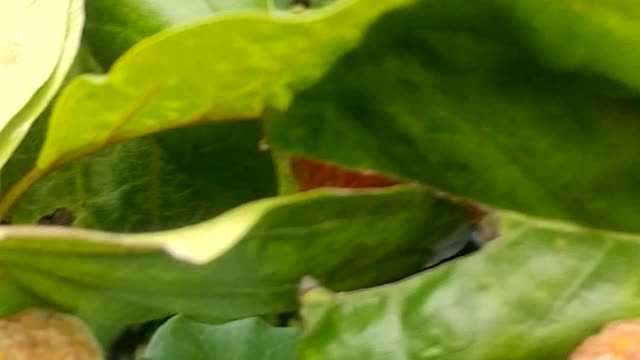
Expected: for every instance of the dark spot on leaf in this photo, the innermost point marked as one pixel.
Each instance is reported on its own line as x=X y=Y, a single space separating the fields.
x=305 y=3
x=59 y=217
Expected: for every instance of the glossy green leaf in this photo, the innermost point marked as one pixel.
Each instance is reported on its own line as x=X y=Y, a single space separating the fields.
x=159 y=182
x=245 y=262
x=536 y=294
x=248 y=339
x=39 y=40
x=517 y=104
x=114 y=26
x=262 y=59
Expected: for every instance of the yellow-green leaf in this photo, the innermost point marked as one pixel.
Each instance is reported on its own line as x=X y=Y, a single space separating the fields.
x=38 y=42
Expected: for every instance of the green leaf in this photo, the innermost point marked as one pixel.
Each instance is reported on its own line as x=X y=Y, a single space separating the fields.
x=39 y=43
x=245 y=262
x=113 y=26
x=263 y=58
x=484 y=102
x=160 y=182
x=248 y=339
x=535 y=294
x=14 y=296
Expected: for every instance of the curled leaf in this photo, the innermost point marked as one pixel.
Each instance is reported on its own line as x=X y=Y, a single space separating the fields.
x=244 y=262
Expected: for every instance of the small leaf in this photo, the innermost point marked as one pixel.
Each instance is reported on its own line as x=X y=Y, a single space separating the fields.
x=534 y=294
x=248 y=339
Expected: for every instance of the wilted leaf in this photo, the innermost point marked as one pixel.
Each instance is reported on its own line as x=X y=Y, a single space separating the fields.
x=518 y=104
x=251 y=258
x=536 y=294
x=38 y=42
x=248 y=339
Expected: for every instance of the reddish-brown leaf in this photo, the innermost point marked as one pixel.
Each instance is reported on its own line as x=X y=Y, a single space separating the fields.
x=312 y=174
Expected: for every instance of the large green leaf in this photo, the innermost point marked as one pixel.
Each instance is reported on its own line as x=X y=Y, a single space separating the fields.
x=261 y=59
x=114 y=26
x=244 y=262
x=512 y=103
x=159 y=182
x=39 y=42
x=536 y=294
x=248 y=339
